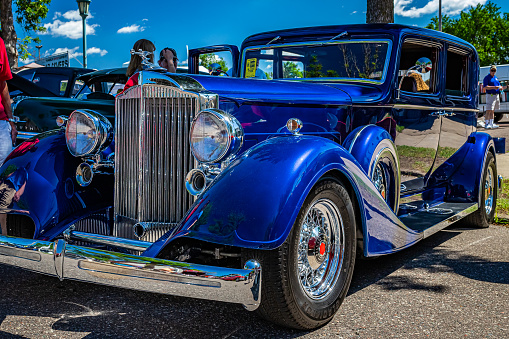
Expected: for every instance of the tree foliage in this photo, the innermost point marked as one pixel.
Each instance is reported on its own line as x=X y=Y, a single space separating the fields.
x=290 y=70
x=485 y=27
x=29 y=15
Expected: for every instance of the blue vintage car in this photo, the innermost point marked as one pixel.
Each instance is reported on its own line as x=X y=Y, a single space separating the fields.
x=260 y=189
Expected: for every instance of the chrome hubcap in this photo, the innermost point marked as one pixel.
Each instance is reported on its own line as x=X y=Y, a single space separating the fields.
x=380 y=181
x=321 y=248
x=489 y=187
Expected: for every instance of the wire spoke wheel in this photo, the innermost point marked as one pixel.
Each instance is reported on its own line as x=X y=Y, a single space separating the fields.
x=489 y=188
x=320 y=249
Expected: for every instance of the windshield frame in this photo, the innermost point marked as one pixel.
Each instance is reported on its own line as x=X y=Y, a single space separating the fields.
x=321 y=43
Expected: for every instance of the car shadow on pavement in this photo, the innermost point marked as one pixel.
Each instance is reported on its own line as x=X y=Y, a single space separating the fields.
x=34 y=305
x=427 y=255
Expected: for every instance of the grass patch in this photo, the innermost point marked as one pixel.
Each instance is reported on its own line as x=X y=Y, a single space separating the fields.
x=415 y=152
x=502 y=213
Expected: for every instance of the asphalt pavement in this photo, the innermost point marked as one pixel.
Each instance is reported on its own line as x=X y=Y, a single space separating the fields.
x=451 y=285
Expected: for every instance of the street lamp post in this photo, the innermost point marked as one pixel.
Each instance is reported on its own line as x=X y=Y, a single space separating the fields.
x=83 y=7
x=39 y=50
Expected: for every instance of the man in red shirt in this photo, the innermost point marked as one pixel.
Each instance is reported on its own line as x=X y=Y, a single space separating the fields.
x=8 y=131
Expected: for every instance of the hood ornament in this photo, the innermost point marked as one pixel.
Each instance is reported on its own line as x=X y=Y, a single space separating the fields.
x=145 y=59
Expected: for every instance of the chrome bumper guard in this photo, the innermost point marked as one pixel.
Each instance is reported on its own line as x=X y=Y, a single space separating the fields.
x=62 y=260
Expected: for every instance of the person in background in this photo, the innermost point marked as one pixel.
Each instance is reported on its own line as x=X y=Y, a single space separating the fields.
x=493 y=88
x=135 y=64
x=168 y=59
x=8 y=130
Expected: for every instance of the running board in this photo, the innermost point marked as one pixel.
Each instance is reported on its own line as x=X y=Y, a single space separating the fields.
x=437 y=217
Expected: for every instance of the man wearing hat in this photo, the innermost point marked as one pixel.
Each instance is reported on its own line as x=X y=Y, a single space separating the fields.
x=493 y=88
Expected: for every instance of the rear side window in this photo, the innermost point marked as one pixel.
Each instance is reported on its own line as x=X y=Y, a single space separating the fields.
x=456 y=76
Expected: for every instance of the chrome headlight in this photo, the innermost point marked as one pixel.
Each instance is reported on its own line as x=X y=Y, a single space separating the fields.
x=215 y=135
x=87 y=133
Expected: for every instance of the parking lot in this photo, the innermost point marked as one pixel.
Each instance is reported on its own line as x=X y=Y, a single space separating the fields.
x=454 y=284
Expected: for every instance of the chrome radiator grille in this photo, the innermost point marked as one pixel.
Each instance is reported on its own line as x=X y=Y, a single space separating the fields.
x=152 y=158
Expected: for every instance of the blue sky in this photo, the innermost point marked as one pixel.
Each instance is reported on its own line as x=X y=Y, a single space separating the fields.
x=114 y=26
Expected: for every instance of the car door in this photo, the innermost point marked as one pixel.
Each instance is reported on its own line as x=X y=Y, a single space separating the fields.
x=459 y=117
x=417 y=110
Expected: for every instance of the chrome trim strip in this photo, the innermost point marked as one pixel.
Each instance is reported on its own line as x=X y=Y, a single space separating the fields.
x=452 y=219
x=129 y=244
x=427 y=108
x=134 y=272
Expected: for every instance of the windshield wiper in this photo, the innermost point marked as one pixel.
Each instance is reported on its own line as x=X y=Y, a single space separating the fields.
x=271 y=41
x=340 y=35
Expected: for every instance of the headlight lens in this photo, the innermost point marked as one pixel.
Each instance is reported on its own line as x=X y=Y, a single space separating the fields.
x=215 y=135
x=87 y=133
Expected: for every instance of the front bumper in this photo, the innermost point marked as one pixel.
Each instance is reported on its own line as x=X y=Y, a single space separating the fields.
x=62 y=260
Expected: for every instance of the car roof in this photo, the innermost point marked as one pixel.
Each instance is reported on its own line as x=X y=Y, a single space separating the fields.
x=331 y=32
x=119 y=72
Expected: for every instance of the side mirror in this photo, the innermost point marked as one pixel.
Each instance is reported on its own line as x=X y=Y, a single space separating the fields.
x=423 y=65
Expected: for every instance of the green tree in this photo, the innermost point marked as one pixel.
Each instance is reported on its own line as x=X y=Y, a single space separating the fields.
x=485 y=27
x=210 y=58
x=290 y=70
x=29 y=15
x=314 y=69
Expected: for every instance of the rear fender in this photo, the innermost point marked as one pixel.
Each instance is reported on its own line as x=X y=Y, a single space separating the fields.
x=255 y=201
x=467 y=166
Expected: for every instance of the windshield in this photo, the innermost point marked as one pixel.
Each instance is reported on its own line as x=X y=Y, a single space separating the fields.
x=364 y=60
x=100 y=89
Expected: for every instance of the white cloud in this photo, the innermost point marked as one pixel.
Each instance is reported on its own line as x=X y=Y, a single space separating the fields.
x=449 y=7
x=27 y=61
x=74 y=15
x=131 y=29
x=72 y=29
x=353 y=12
x=96 y=50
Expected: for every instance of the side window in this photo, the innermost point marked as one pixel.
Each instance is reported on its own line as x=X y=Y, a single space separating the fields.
x=217 y=64
x=456 y=76
x=412 y=77
x=77 y=86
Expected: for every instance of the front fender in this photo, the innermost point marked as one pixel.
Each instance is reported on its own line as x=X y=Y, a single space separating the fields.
x=254 y=202
x=52 y=197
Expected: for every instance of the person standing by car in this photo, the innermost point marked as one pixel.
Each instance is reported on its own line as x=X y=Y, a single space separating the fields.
x=168 y=59
x=135 y=64
x=492 y=87
x=8 y=130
